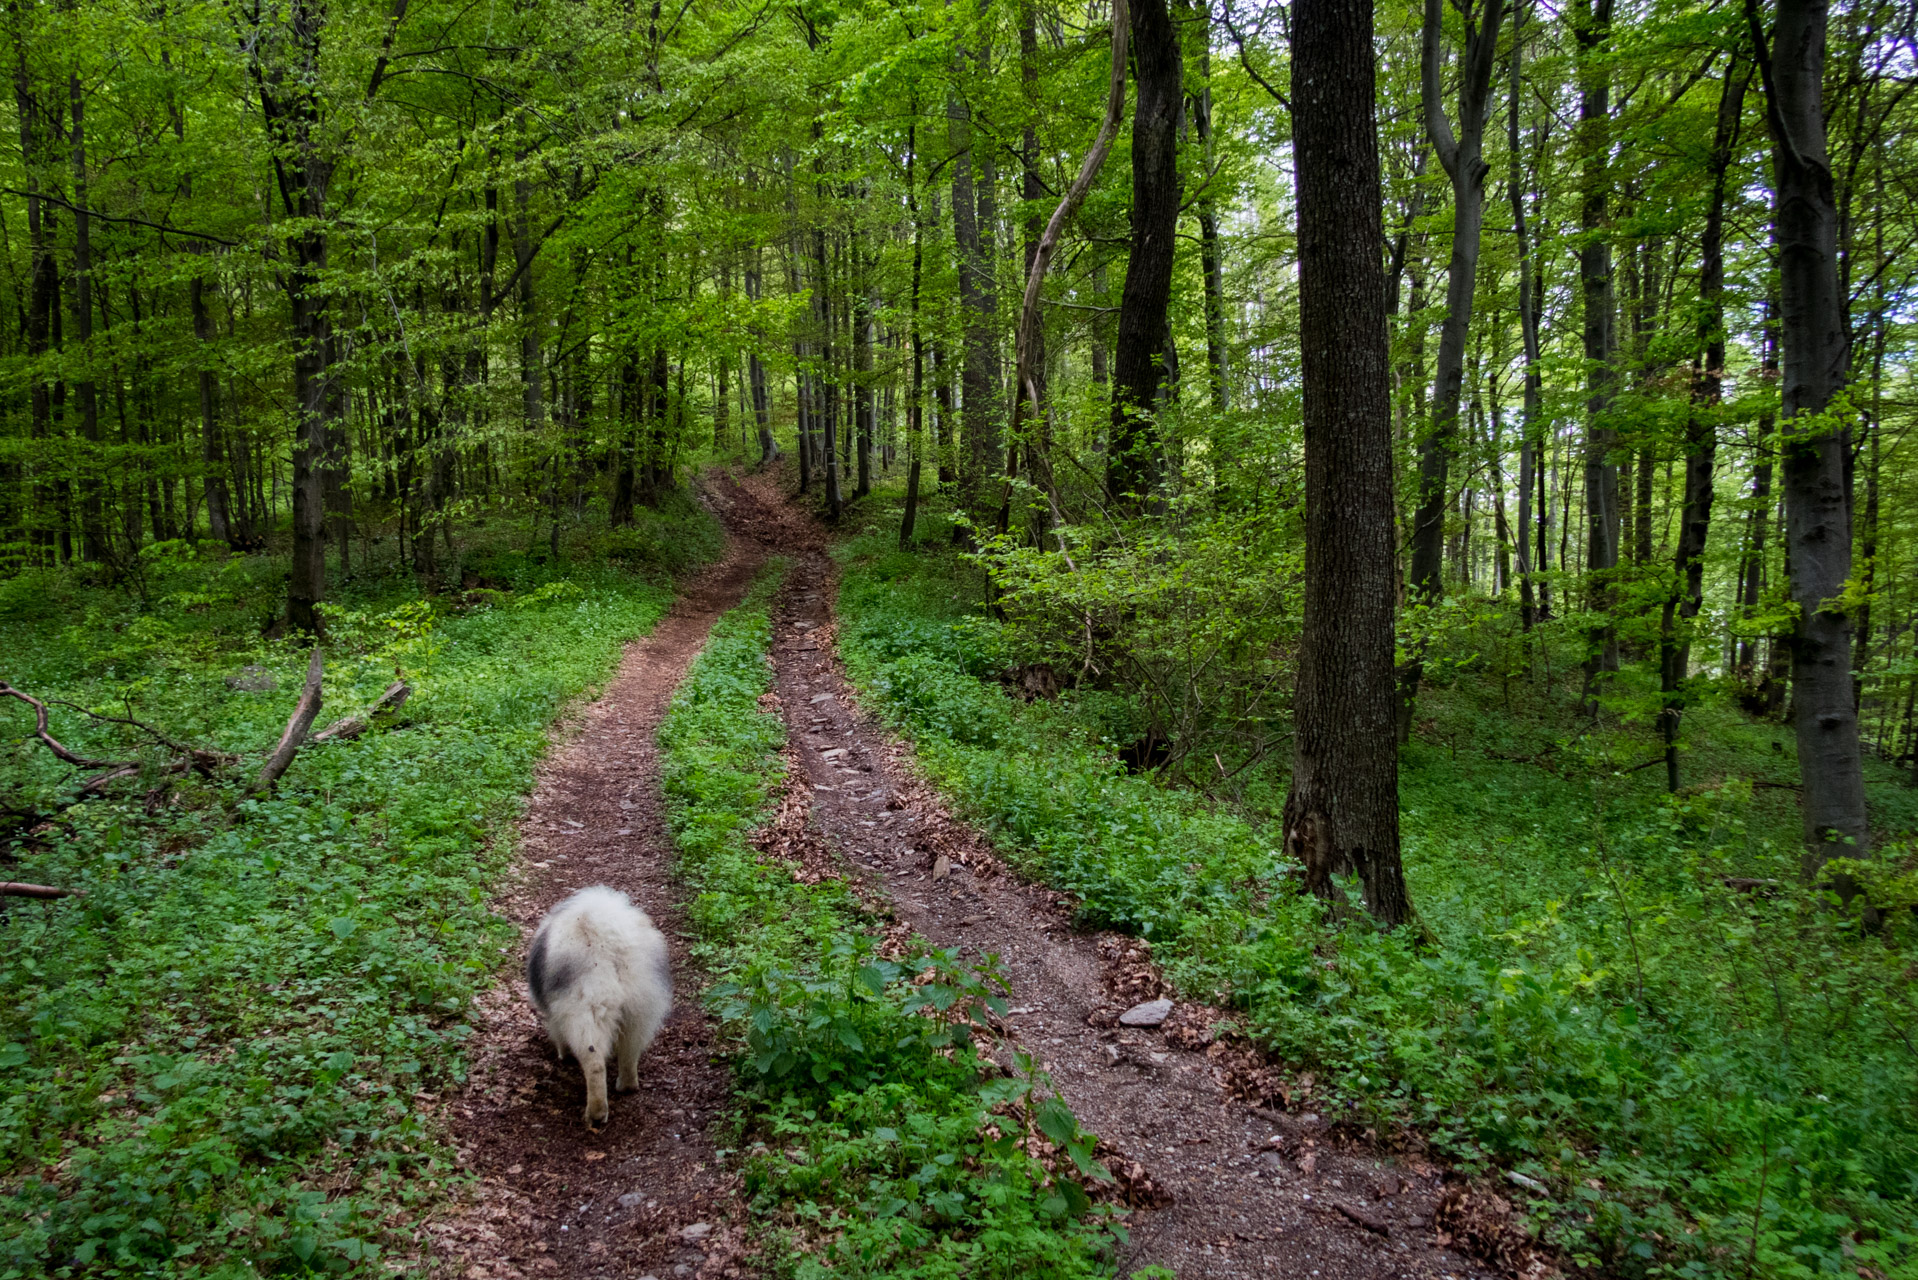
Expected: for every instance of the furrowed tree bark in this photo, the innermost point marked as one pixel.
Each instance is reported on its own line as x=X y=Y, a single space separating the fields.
x=1462 y=157
x=1342 y=812
x=1687 y=593
x=1813 y=443
x=974 y=214
x=1139 y=365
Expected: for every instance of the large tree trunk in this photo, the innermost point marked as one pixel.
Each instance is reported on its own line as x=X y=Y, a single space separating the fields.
x=756 y=379
x=1592 y=25
x=1343 y=810
x=1139 y=365
x=1687 y=594
x=1462 y=156
x=1815 y=334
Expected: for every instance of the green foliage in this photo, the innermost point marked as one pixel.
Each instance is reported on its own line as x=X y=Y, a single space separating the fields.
x=210 y=1062
x=885 y=1146
x=1632 y=1000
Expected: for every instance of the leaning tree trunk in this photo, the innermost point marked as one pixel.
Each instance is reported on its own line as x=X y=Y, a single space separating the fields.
x=1140 y=361
x=1462 y=156
x=1343 y=810
x=1816 y=336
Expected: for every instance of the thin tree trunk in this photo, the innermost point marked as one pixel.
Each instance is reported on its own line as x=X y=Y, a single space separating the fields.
x=1687 y=593
x=915 y=412
x=1532 y=603
x=1462 y=157
x=1592 y=25
x=86 y=391
x=1133 y=464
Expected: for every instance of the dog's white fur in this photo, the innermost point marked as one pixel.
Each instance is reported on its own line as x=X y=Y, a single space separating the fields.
x=600 y=978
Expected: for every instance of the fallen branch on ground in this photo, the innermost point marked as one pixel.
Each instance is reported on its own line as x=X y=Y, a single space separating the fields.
x=53 y=744
x=296 y=728
x=353 y=726
x=15 y=889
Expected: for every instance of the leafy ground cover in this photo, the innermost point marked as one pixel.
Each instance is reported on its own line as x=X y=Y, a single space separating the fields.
x=211 y=1060
x=1630 y=1001
x=875 y=1145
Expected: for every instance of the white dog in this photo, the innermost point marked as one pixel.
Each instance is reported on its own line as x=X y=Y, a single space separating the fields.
x=599 y=976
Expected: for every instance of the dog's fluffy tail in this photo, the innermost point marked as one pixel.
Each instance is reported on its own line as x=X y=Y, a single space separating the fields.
x=599 y=976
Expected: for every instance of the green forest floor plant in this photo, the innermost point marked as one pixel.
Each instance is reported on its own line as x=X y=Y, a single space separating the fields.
x=209 y=1063
x=877 y=1140
x=1630 y=1002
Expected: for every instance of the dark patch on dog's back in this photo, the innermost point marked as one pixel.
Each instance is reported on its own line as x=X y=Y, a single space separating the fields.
x=545 y=980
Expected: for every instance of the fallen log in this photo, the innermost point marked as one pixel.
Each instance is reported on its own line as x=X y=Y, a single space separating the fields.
x=296 y=729
x=353 y=726
x=15 y=889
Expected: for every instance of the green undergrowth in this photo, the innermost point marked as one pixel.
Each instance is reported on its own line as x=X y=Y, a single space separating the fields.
x=210 y=1063
x=876 y=1145
x=1710 y=1079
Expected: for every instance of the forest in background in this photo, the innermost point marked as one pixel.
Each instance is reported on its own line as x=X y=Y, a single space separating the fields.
x=332 y=294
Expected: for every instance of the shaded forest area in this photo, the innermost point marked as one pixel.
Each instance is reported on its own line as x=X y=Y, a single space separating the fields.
x=1412 y=511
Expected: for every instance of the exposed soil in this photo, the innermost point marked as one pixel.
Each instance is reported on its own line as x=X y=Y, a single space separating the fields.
x=1227 y=1166
x=644 y=1195
x=1238 y=1186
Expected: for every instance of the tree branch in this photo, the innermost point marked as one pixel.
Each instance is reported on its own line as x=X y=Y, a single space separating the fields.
x=296 y=729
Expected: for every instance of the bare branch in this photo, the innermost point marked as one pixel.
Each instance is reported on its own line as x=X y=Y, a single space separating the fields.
x=353 y=726
x=16 y=889
x=53 y=744
x=296 y=728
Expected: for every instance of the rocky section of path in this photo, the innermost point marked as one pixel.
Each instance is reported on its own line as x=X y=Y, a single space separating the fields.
x=645 y=1195
x=1241 y=1189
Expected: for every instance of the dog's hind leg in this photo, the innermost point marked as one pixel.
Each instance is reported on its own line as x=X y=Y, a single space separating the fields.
x=592 y=1061
x=630 y=1047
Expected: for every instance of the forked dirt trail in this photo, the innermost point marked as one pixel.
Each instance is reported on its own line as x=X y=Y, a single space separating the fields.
x=1220 y=1187
x=644 y=1195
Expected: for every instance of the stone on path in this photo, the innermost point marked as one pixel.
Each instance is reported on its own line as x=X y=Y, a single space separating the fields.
x=1149 y=1014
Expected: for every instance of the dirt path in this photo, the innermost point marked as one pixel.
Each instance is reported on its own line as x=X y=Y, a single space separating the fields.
x=645 y=1195
x=1236 y=1189
x=1252 y=1191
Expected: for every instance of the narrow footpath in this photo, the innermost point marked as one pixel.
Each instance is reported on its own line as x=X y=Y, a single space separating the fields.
x=644 y=1195
x=1228 y=1189
x=1228 y=1170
